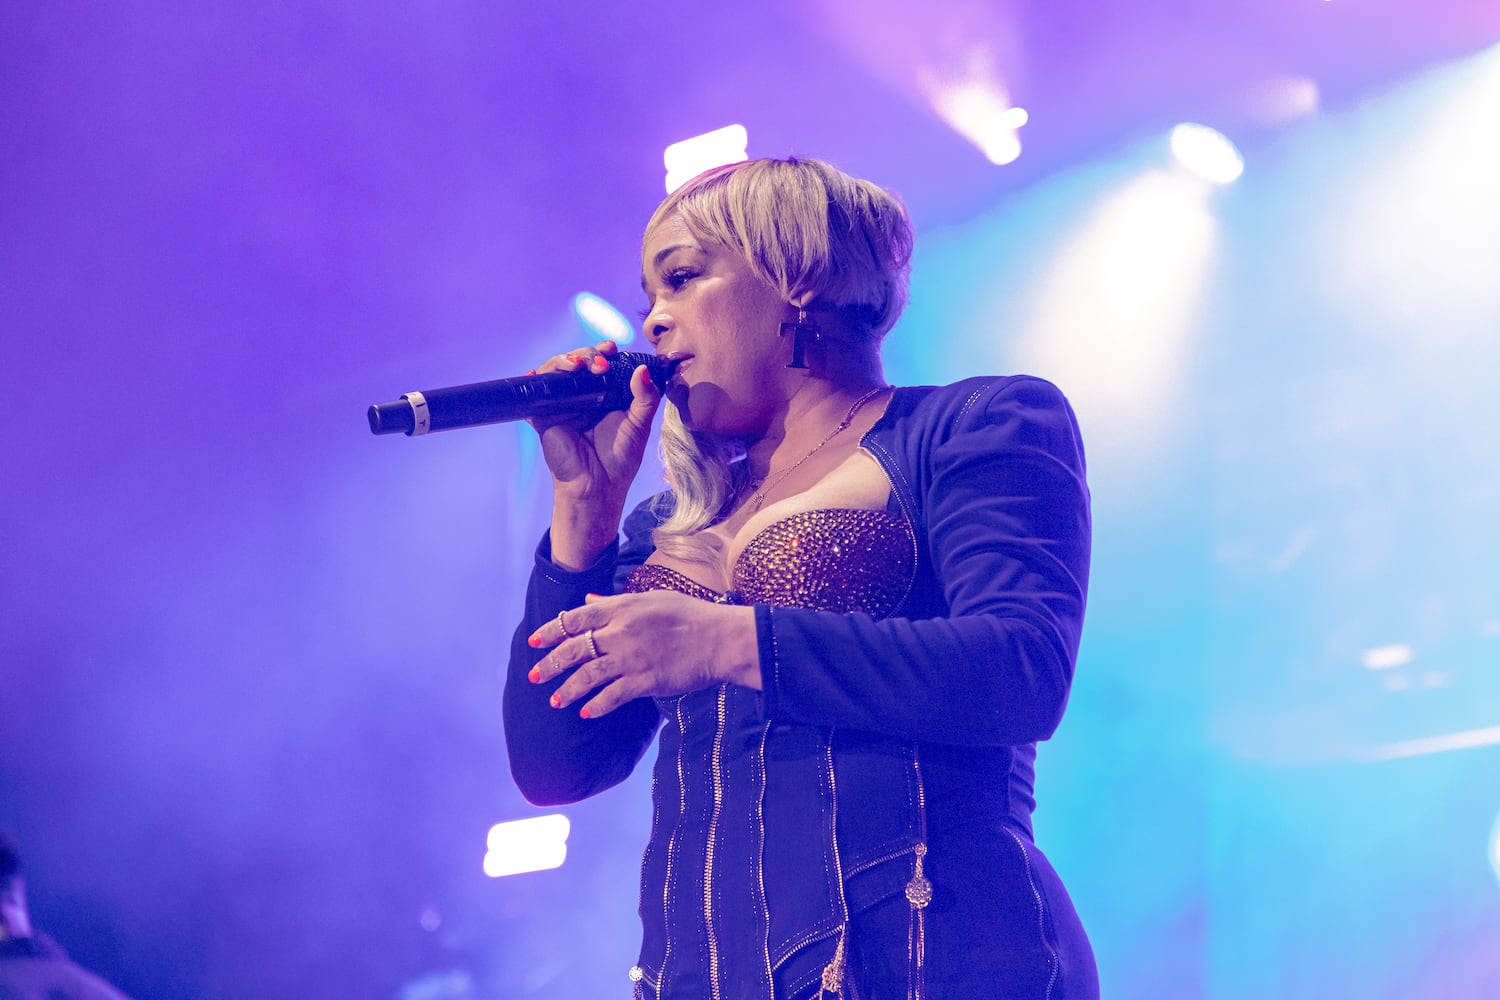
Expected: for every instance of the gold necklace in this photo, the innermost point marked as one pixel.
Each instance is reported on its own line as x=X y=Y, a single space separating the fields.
x=759 y=496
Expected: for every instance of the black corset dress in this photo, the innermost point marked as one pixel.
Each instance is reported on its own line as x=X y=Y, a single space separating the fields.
x=746 y=871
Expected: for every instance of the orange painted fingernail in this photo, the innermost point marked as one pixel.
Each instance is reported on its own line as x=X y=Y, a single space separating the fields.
x=531 y=372
x=583 y=713
x=535 y=676
x=557 y=701
x=572 y=358
x=534 y=641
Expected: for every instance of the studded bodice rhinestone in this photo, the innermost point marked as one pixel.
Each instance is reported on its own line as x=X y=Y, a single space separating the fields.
x=840 y=559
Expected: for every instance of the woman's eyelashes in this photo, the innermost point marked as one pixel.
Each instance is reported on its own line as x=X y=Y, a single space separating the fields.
x=673 y=280
x=677 y=277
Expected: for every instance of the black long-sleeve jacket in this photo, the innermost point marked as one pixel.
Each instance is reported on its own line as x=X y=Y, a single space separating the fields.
x=782 y=813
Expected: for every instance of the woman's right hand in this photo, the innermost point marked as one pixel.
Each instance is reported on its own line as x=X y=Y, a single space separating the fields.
x=593 y=466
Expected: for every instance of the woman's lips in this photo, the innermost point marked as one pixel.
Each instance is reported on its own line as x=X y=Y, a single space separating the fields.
x=683 y=363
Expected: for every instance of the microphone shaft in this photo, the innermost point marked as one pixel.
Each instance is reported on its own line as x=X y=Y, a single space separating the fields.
x=578 y=393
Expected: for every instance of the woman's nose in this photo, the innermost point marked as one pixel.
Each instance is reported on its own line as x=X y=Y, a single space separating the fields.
x=655 y=326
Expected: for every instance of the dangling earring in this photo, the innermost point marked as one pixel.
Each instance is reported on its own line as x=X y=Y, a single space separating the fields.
x=802 y=331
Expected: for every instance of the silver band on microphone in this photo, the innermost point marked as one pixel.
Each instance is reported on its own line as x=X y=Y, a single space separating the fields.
x=421 y=416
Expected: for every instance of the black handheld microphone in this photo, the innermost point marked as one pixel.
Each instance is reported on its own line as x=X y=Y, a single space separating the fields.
x=582 y=393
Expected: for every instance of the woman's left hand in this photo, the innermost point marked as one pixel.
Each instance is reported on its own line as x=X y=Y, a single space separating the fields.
x=658 y=643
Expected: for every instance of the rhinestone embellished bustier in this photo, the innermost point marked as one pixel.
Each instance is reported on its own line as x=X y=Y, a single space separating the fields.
x=840 y=559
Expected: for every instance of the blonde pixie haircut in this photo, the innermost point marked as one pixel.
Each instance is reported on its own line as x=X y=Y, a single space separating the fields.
x=804 y=228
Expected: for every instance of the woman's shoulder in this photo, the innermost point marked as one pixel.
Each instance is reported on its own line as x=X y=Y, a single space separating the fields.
x=945 y=409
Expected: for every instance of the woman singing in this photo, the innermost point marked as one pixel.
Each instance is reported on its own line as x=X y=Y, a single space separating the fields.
x=850 y=619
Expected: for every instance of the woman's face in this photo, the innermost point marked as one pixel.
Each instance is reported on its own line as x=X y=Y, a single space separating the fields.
x=706 y=305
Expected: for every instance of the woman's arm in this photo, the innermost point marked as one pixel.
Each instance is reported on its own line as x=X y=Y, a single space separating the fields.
x=556 y=757
x=1006 y=515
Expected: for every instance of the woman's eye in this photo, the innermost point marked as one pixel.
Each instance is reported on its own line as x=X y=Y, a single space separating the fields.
x=673 y=280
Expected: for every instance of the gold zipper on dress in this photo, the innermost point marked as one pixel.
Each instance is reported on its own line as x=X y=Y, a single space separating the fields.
x=713 y=836
x=833 y=973
x=666 y=882
x=760 y=860
x=1041 y=912
x=918 y=894
x=797 y=944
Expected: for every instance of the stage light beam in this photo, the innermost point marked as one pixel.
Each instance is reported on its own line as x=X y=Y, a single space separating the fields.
x=1113 y=316
x=1495 y=847
x=970 y=93
x=1280 y=99
x=1387 y=657
x=1207 y=153
x=601 y=319
x=982 y=113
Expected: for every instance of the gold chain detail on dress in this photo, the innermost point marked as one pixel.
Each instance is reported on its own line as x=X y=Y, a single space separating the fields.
x=919 y=890
x=833 y=972
x=759 y=496
x=918 y=894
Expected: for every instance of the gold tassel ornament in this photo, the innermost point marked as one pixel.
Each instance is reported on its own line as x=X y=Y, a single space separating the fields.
x=918 y=894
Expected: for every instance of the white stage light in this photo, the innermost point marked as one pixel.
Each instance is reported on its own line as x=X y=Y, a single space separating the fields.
x=600 y=318
x=687 y=159
x=1112 y=316
x=1280 y=99
x=527 y=845
x=981 y=112
x=1207 y=153
x=1387 y=657
x=1003 y=148
x=1468 y=739
x=1495 y=847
